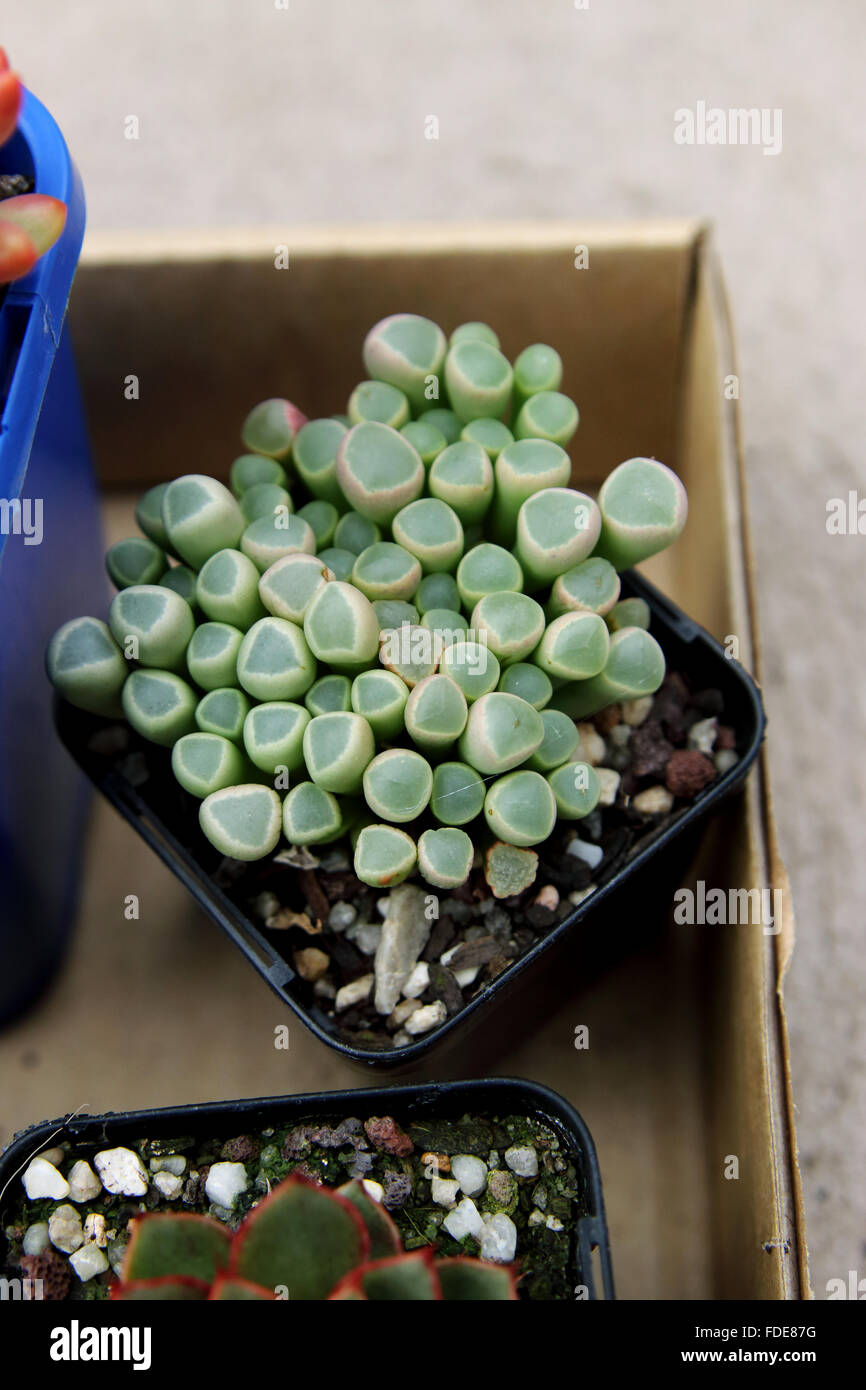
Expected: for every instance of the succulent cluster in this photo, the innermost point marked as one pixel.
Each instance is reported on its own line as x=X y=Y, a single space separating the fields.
x=399 y=647
x=30 y=223
x=302 y=1242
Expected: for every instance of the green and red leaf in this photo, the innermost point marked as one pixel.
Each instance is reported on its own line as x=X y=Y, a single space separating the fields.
x=384 y=1236
x=176 y=1245
x=302 y=1238
x=176 y=1288
x=464 y=1279
x=226 y=1288
x=406 y=1278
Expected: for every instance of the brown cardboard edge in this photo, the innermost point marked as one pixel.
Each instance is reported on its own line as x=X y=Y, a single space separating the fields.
x=124 y=246
x=779 y=948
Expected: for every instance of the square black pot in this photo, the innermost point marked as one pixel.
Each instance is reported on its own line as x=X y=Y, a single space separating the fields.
x=589 y=1258
x=166 y=818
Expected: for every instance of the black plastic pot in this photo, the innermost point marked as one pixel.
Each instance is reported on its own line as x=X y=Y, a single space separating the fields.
x=499 y=1096
x=138 y=781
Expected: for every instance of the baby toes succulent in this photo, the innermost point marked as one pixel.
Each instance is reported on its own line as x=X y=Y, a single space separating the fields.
x=159 y=706
x=274 y=661
x=635 y=666
x=87 y=667
x=337 y=748
x=379 y=471
x=462 y=477
x=397 y=784
x=205 y=763
x=134 y=561
x=520 y=808
x=152 y=625
x=384 y=855
x=501 y=732
x=386 y=628
x=200 y=517
x=270 y=428
x=643 y=509
x=445 y=857
x=242 y=821
x=407 y=351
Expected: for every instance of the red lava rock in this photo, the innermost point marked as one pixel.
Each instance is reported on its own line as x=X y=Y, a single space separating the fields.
x=725 y=737
x=243 y=1149
x=52 y=1269
x=386 y=1135
x=688 y=772
x=650 y=750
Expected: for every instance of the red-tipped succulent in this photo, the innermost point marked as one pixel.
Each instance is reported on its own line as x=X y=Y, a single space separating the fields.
x=303 y=1242
x=30 y=223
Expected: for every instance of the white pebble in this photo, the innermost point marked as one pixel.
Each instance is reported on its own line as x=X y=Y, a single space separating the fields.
x=702 y=735
x=592 y=746
x=401 y=1011
x=655 y=801
x=553 y=1223
x=620 y=735
x=467 y=977
x=169 y=1163
x=41 y=1179
x=444 y=1191
x=382 y=905
x=64 y=1229
x=636 y=711
x=427 y=1017
x=522 y=1160
x=323 y=989
x=169 y=1184
x=121 y=1170
x=366 y=936
x=589 y=853
x=418 y=981
x=498 y=1239
x=725 y=759
x=341 y=916
x=470 y=1172
x=355 y=992
x=536 y=1217
x=581 y=894
x=464 y=1220
x=225 y=1182
x=608 y=783
x=401 y=1039
x=35 y=1238
x=373 y=1189
x=94 y=1230
x=84 y=1185
x=55 y=1155
x=88 y=1262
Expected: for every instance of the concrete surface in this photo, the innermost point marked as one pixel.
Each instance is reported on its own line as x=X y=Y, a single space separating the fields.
x=317 y=112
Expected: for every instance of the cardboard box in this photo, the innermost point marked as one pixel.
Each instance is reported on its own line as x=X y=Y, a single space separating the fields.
x=687 y=1067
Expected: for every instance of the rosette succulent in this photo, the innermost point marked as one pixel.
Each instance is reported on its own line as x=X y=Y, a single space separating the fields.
x=388 y=624
x=301 y=1243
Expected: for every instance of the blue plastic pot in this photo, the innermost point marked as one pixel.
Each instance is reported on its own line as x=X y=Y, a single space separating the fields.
x=44 y=458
